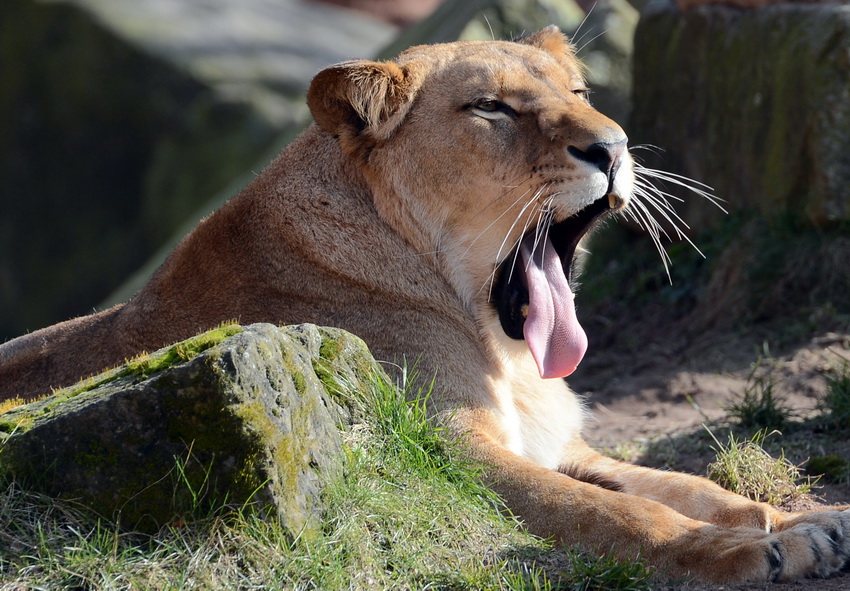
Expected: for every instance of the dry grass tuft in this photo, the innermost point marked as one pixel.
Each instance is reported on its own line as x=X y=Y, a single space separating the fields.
x=745 y=468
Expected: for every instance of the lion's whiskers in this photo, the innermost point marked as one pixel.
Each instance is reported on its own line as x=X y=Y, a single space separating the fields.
x=528 y=207
x=544 y=222
x=486 y=206
x=641 y=215
x=650 y=201
x=490 y=204
x=650 y=208
x=578 y=34
x=516 y=243
x=503 y=214
x=513 y=225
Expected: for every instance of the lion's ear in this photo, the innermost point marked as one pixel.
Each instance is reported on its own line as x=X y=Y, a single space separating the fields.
x=551 y=39
x=360 y=96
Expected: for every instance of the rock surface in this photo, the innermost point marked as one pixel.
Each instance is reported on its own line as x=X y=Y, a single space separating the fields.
x=755 y=103
x=253 y=419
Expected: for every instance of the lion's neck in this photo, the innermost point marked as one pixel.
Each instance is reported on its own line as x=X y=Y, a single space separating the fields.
x=398 y=206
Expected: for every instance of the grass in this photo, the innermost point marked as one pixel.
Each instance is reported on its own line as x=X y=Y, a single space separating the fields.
x=600 y=573
x=409 y=513
x=836 y=404
x=760 y=407
x=763 y=465
x=11 y=403
x=745 y=468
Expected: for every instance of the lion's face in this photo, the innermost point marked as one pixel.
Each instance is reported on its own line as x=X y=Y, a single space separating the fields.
x=488 y=156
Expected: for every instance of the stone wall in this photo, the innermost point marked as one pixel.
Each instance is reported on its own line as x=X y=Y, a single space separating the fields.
x=755 y=103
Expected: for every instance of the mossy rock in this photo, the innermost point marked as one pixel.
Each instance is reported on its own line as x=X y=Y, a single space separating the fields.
x=240 y=417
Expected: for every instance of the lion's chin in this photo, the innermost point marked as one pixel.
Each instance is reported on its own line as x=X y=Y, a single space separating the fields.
x=534 y=300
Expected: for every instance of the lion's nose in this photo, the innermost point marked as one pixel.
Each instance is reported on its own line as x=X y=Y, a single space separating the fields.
x=604 y=155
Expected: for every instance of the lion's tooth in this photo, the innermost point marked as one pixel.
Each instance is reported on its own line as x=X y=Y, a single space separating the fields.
x=524 y=310
x=613 y=201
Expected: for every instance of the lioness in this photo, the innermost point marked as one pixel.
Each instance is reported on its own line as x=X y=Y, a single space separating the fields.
x=434 y=209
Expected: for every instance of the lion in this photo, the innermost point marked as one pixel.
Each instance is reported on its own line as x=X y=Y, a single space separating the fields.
x=435 y=209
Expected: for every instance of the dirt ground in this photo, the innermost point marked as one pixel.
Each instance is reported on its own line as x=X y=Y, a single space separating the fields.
x=651 y=394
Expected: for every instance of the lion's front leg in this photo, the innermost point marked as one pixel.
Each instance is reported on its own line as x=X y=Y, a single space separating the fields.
x=647 y=513
x=693 y=496
x=813 y=543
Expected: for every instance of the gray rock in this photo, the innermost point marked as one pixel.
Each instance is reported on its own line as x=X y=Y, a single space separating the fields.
x=755 y=103
x=253 y=419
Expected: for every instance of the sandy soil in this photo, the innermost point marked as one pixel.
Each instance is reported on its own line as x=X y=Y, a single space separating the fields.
x=651 y=395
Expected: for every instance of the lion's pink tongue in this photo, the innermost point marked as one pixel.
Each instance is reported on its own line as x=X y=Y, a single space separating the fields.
x=556 y=339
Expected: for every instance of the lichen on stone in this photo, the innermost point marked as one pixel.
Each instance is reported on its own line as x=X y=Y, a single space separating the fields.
x=235 y=417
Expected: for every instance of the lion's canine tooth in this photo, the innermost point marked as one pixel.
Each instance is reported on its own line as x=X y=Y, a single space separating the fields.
x=524 y=310
x=613 y=201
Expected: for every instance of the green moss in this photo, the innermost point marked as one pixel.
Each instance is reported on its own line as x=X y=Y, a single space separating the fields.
x=24 y=417
x=213 y=437
x=335 y=376
x=150 y=363
x=329 y=349
x=16 y=423
x=288 y=451
x=260 y=430
x=182 y=351
x=299 y=381
x=253 y=416
x=97 y=455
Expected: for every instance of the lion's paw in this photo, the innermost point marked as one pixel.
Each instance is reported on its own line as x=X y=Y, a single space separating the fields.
x=802 y=545
x=810 y=544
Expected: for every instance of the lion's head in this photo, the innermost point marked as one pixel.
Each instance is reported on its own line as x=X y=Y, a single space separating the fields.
x=489 y=157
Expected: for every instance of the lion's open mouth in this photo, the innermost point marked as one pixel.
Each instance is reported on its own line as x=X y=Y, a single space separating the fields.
x=533 y=297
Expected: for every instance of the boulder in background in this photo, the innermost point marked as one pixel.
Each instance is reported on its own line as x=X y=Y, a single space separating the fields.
x=755 y=103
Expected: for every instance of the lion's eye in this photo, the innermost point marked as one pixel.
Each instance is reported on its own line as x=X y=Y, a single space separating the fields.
x=488 y=105
x=492 y=108
x=583 y=94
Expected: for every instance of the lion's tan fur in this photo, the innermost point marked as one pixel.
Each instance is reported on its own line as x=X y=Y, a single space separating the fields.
x=387 y=218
